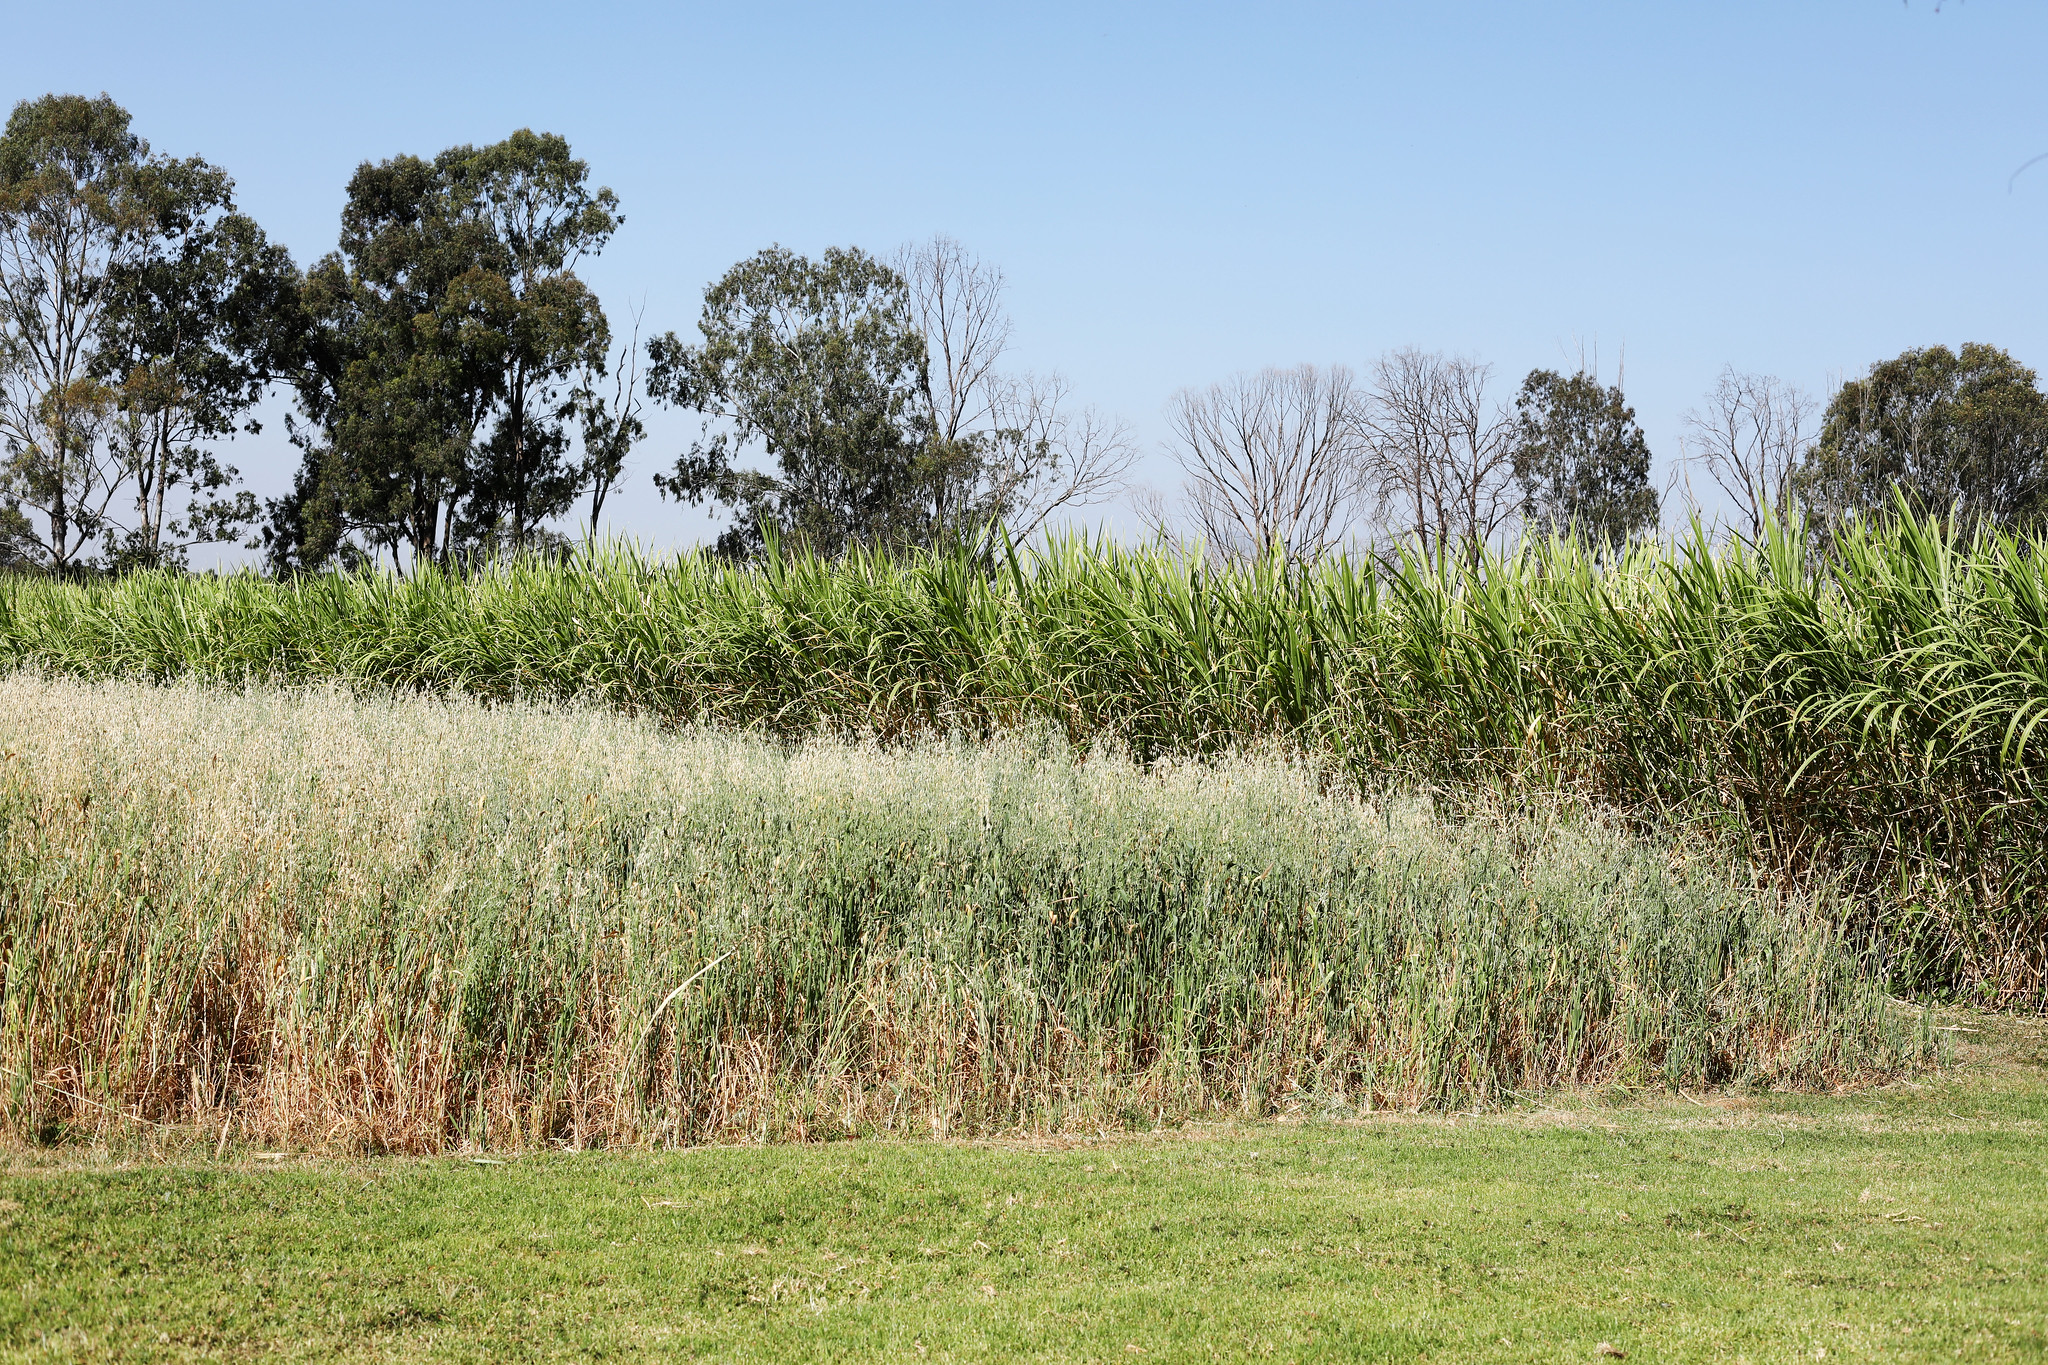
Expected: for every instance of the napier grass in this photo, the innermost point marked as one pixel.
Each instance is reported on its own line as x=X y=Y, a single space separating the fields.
x=307 y=918
x=1872 y=714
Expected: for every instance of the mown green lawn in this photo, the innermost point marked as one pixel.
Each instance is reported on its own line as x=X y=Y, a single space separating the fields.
x=1907 y=1223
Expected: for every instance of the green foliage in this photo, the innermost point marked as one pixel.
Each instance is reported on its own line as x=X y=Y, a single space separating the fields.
x=1581 y=462
x=197 y=326
x=69 y=211
x=140 y=315
x=543 y=218
x=820 y=363
x=391 y=401
x=445 y=338
x=420 y=923
x=1953 y=434
x=1880 y=719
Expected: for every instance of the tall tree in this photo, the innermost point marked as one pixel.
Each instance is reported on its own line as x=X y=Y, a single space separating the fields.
x=398 y=376
x=1008 y=448
x=140 y=316
x=1962 y=433
x=543 y=217
x=446 y=332
x=197 y=326
x=820 y=362
x=72 y=213
x=1582 y=464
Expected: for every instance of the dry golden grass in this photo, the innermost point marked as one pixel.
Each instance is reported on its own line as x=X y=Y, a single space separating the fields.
x=302 y=918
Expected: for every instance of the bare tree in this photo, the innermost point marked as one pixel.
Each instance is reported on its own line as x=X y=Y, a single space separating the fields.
x=1272 y=459
x=1154 y=511
x=1438 y=456
x=1750 y=436
x=1048 y=455
x=956 y=302
x=998 y=447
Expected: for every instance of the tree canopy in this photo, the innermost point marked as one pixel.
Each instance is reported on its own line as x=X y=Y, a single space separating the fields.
x=1962 y=433
x=873 y=389
x=820 y=363
x=140 y=315
x=444 y=338
x=458 y=389
x=1581 y=462
x=197 y=327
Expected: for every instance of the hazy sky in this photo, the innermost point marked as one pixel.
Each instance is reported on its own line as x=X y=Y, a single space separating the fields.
x=1178 y=192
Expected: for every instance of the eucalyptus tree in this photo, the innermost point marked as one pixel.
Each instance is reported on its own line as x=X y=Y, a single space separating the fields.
x=445 y=335
x=542 y=217
x=141 y=316
x=819 y=363
x=1581 y=462
x=397 y=376
x=72 y=212
x=1962 y=433
x=198 y=325
x=875 y=391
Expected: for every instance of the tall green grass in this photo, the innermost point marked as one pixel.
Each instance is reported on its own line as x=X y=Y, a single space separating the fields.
x=407 y=924
x=1875 y=716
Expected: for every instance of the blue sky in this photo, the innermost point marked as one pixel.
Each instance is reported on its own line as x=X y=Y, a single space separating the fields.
x=1178 y=192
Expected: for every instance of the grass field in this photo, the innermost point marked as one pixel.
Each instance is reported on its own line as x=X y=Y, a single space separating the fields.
x=1900 y=1223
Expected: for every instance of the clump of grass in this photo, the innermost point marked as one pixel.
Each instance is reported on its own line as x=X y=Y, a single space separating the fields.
x=406 y=924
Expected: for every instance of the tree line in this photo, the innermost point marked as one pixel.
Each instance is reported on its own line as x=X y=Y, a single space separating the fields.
x=1415 y=453
x=458 y=390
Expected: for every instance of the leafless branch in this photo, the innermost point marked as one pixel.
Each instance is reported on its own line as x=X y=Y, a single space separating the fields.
x=1438 y=456
x=1048 y=456
x=611 y=428
x=1750 y=435
x=1272 y=459
x=1002 y=447
x=956 y=301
